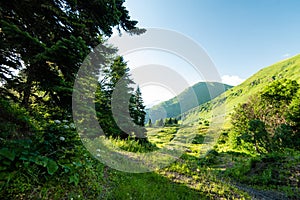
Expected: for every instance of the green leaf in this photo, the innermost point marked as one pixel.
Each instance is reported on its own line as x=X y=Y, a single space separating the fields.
x=40 y=160
x=6 y=162
x=74 y=179
x=7 y=154
x=52 y=167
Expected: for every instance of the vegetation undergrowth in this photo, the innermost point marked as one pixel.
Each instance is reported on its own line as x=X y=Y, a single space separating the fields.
x=275 y=171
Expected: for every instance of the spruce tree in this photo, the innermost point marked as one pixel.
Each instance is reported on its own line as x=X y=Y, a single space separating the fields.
x=116 y=80
x=138 y=113
x=149 y=123
x=47 y=42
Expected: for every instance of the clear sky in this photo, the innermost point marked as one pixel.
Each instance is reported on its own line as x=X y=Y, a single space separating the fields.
x=240 y=36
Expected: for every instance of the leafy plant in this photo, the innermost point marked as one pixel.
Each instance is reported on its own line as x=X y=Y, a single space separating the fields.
x=262 y=120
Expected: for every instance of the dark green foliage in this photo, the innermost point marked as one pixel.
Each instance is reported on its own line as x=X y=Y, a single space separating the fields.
x=149 y=123
x=206 y=123
x=293 y=113
x=198 y=139
x=274 y=170
x=175 y=121
x=268 y=121
x=170 y=121
x=167 y=122
x=15 y=121
x=137 y=108
x=209 y=159
x=20 y=142
x=258 y=135
x=33 y=152
x=48 y=41
x=159 y=123
x=125 y=115
x=114 y=76
x=43 y=44
x=132 y=145
x=279 y=91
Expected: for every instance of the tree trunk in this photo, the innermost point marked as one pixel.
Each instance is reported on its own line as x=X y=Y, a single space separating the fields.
x=26 y=92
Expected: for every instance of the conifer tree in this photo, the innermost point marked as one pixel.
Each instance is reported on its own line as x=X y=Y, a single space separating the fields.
x=149 y=123
x=47 y=42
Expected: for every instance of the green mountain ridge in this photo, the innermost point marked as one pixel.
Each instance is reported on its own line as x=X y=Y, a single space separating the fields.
x=221 y=106
x=190 y=98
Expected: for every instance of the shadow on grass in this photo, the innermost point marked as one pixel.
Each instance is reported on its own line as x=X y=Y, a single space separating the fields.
x=148 y=186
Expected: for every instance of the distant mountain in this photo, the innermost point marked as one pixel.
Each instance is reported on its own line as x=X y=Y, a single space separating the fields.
x=224 y=104
x=190 y=98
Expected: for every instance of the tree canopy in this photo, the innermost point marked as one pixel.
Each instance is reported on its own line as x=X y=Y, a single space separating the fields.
x=269 y=121
x=43 y=45
x=46 y=41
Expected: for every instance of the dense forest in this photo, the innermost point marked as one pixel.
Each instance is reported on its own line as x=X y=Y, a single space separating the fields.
x=254 y=155
x=43 y=45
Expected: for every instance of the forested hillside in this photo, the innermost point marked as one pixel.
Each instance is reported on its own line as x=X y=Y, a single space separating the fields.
x=43 y=45
x=202 y=92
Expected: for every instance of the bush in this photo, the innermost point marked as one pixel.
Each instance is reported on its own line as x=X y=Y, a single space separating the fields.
x=198 y=139
x=210 y=158
x=38 y=150
x=268 y=122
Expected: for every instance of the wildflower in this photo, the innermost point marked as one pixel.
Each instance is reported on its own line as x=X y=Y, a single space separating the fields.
x=65 y=121
x=98 y=155
x=57 y=121
x=62 y=138
x=72 y=125
x=66 y=126
x=98 y=150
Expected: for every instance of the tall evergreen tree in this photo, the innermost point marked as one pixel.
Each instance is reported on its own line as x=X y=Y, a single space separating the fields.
x=175 y=121
x=120 y=110
x=115 y=80
x=48 y=40
x=138 y=114
x=159 y=122
x=150 y=123
x=137 y=108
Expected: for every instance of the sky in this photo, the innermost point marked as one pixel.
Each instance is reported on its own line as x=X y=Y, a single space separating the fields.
x=240 y=36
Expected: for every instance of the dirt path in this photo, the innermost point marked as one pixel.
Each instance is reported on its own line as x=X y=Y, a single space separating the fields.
x=260 y=194
x=255 y=194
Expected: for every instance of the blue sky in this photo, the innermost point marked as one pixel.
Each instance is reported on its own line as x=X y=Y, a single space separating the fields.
x=240 y=36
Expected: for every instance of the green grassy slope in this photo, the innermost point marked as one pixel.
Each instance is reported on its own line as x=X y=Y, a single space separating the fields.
x=224 y=104
x=190 y=98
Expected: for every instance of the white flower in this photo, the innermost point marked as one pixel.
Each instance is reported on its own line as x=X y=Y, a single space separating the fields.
x=98 y=155
x=72 y=125
x=65 y=121
x=98 y=150
x=57 y=121
x=66 y=126
x=62 y=138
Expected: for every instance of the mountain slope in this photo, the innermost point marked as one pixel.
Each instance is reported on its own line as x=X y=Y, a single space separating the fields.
x=190 y=98
x=218 y=109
